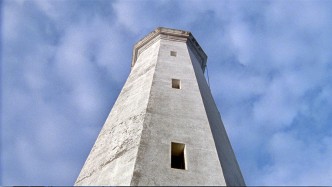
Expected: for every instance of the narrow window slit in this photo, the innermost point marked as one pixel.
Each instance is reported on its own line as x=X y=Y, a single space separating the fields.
x=178 y=156
x=173 y=53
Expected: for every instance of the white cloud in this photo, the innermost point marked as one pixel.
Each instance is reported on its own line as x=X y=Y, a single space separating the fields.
x=137 y=18
x=296 y=162
x=54 y=93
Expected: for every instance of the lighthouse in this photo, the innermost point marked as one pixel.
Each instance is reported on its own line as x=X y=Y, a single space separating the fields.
x=165 y=127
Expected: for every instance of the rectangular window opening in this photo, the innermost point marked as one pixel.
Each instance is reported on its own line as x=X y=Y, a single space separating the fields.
x=173 y=53
x=178 y=156
x=176 y=84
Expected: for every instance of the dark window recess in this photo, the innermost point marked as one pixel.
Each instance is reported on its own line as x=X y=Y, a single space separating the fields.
x=178 y=156
x=176 y=84
x=173 y=53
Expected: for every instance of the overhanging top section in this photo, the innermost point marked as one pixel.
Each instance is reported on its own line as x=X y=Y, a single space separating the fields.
x=170 y=34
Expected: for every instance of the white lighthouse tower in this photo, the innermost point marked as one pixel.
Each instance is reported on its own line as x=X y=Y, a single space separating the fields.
x=164 y=128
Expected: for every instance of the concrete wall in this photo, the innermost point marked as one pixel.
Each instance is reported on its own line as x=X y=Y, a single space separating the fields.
x=112 y=158
x=176 y=115
x=232 y=172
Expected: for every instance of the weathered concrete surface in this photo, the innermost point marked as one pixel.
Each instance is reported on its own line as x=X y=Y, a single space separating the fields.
x=231 y=169
x=176 y=115
x=112 y=158
x=134 y=146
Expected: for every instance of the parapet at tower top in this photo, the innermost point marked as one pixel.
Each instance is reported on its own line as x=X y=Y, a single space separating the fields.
x=173 y=35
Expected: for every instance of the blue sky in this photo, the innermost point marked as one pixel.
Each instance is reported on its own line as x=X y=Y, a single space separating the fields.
x=65 y=62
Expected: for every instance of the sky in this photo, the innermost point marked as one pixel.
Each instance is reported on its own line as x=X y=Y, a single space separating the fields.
x=63 y=64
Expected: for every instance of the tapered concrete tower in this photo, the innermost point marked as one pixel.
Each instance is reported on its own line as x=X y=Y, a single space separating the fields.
x=164 y=128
